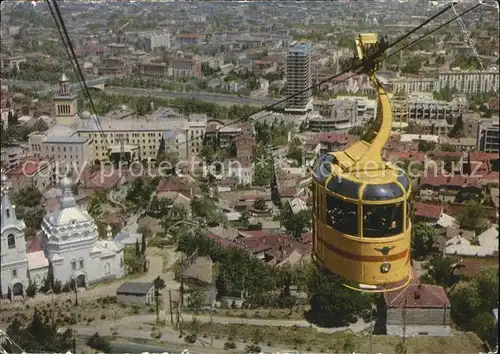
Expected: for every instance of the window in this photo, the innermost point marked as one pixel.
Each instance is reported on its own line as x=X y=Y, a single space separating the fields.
x=11 y=241
x=382 y=220
x=107 y=269
x=342 y=215
x=73 y=265
x=14 y=273
x=81 y=264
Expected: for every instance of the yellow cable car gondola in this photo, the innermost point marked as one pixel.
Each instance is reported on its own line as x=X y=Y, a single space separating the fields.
x=361 y=224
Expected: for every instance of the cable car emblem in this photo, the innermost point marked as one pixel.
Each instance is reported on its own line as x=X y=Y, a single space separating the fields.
x=385 y=250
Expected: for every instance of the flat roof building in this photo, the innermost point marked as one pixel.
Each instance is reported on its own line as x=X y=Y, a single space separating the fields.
x=299 y=76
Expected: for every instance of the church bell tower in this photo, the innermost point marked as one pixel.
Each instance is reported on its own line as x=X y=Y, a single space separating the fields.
x=65 y=103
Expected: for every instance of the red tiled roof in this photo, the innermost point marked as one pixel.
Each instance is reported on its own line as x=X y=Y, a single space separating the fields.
x=418 y=296
x=307 y=238
x=326 y=137
x=28 y=167
x=430 y=211
x=455 y=181
x=174 y=184
x=103 y=179
x=494 y=103
x=223 y=242
x=410 y=155
x=35 y=244
x=276 y=246
x=288 y=192
x=483 y=156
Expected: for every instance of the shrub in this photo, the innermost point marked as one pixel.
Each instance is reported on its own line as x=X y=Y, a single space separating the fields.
x=252 y=348
x=31 y=289
x=99 y=343
x=229 y=345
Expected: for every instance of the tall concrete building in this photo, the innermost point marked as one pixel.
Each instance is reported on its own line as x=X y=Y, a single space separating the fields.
x=488 y=136
x=468 y=81
x=299 y=76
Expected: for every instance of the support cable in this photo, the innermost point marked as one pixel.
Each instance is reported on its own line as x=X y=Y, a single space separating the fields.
x=354 y=68
x=61 y=28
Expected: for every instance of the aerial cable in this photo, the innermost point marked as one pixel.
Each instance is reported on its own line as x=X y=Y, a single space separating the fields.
x=74 y=61
x=431 y=32
x=347 y=71
x=468 y=40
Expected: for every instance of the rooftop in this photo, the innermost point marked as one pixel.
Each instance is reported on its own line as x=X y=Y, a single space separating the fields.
x=134 y=288
x=418 y=296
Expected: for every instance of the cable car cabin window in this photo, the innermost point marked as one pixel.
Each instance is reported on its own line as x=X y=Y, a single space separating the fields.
x=344 y=187
x=382 y=192
x=342 y=215
x=382 y=220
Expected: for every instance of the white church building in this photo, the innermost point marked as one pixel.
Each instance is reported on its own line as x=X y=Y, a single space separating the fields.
x=69 y=241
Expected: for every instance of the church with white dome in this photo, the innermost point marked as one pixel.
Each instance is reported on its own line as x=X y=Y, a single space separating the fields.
x=68 y=241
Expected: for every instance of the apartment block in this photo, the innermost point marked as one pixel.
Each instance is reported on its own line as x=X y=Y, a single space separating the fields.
x=437 y=117
x=140 y=139
x=299 y=76
x=335 y=115
x=469 y=81
x=406 y=85
x=161 y=40
x=488 y=139
x=176 y=67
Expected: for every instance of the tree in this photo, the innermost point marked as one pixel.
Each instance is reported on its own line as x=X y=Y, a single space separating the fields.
x=458 y=128
x=422 y=239
x=40 y=125
x=295 y=223
x=38 y=336
x=260 y=204
x=143 y=244
x=485 y=326
x=160 y=156
x=425 y=146
x=28 y=197
x=295 y=151
x=12 y=119
x=159 y=283
x=244 y=219
x=465 y=303
x=487 y=286
x=137 y=249
x=473 y=217
x=441 y=272
x=413 y=66
x=332 y=304
x=31 y=289
x=99 y=343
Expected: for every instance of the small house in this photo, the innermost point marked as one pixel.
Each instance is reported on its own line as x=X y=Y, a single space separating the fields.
x=136 y=293
x=418 y=310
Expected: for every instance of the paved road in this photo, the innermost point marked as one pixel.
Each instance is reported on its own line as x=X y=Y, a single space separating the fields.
x=138 y=319
x=44 y=87
x=101 y=290
x=202 y=96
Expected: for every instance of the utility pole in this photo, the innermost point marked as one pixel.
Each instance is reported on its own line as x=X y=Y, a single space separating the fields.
x=170 y=303
x=76 y=294
x=157 y=295
x=371 y=331
x=404 y=321
x=211 y=327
